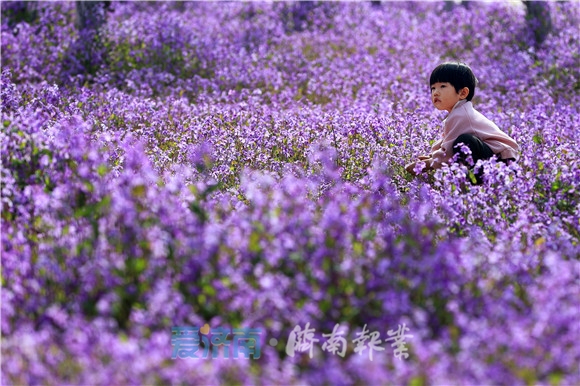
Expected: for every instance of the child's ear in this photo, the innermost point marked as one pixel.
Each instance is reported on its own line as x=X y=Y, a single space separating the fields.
x=464 y=92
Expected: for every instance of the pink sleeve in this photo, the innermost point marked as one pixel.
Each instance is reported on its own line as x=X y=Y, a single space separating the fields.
x=436 y=154
x=437 y=158
x=455 y=125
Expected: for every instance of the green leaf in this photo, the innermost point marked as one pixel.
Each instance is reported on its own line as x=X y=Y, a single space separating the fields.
x=357 y=248
x=254 y=245
x=102 y=170
x=140 y=265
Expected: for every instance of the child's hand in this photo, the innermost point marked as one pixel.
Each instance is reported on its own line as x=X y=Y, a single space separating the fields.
x=410 y=168
x=422 y=158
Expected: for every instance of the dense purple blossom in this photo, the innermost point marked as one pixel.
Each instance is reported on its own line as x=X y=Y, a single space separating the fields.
x=242 y=165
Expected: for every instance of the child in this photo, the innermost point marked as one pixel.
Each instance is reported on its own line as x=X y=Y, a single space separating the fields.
x=452 y=88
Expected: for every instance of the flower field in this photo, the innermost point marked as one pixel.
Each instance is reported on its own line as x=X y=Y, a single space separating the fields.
x=241 y=165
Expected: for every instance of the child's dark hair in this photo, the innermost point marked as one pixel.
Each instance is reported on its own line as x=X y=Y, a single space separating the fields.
x=458 y=74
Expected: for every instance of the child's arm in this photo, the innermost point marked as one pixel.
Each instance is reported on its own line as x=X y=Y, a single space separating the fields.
x=422 y=158
x=428 y=159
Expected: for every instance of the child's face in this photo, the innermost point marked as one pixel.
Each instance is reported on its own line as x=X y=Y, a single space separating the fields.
x=444 y=96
